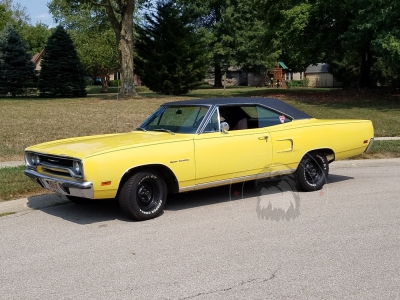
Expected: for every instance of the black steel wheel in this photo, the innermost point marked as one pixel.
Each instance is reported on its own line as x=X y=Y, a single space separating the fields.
x=312 y=172
x=143 y=195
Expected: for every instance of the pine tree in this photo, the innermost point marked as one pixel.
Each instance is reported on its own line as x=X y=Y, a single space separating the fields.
x=62 y=74
x=172 y=55
x=17 y=72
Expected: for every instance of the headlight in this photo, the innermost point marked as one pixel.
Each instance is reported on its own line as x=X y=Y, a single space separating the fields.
x=31 y=159
x=36 y=159
x=77 y=167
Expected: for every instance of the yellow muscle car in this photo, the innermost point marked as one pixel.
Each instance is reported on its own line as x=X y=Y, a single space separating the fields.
x=196 y=144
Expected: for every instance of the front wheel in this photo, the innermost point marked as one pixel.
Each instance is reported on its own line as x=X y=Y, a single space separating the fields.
x=312 y=172
x=143 y=195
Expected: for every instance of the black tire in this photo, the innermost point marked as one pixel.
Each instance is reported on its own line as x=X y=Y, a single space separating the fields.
x=143 y=195
x=312 y=172
x=79 y=200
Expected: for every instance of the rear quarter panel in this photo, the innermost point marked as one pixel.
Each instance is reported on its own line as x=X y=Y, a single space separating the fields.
x=291 y=141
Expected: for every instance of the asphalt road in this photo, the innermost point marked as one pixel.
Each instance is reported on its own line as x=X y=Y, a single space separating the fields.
x=269 y=242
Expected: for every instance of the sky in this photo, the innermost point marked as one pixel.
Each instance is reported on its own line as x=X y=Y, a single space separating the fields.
x=38 y=11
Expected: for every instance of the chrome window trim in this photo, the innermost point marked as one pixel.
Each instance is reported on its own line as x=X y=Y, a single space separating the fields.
x=207 y=118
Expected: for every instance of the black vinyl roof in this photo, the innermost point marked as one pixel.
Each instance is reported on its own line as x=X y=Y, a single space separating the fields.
x=271 y=103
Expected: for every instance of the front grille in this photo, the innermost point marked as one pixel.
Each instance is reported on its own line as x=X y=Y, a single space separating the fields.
x=59 y=166
x=56 y=161
x=56 y=172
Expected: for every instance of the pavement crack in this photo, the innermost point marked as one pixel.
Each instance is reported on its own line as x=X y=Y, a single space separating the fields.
x=245 y=282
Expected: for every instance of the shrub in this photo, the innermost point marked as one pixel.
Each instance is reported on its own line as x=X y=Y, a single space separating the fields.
x=114 y=82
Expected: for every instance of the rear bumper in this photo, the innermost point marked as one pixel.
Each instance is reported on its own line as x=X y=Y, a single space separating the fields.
x=369 y=145
x=62 y=186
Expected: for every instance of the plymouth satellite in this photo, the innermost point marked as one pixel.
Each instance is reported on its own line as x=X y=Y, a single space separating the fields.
x=196 y=144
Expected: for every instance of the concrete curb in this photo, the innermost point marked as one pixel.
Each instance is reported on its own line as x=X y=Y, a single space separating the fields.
x=32 y=203
x=393 y=138
x=11 y=164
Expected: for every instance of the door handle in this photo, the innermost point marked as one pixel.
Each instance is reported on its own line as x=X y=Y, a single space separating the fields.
x=263 y=138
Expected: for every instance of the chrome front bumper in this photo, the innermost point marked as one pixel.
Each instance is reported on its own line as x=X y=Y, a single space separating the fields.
x=62 y=186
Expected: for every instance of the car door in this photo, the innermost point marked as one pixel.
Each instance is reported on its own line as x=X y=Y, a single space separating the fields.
x=234 y=155
x=284 y=140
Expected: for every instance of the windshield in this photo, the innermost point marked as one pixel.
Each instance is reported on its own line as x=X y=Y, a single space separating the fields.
x=175 y=119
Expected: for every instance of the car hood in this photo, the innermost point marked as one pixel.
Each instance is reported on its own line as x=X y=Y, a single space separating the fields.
x=83 y=147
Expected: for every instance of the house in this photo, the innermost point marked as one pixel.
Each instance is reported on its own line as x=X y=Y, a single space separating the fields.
x=37 y=59
x=289 y=75
x=319 y=76
x=236 y=76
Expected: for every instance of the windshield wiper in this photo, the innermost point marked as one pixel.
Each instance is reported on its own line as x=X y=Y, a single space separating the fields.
x=141 y=128
x=165 y=130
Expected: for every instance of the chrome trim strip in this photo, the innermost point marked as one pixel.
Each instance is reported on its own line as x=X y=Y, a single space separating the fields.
x=370 y=145
x=235 y=180
x=206 y=119
x=87 y=186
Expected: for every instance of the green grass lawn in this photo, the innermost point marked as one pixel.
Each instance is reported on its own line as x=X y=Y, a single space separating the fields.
x=14 y=184
x=28 y=121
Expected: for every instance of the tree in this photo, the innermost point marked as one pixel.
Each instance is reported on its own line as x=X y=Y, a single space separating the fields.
x=172 y=57
x=120 y=16
x=62 y=73
x=215 y=17
x=98 y=54
x=5 y=16
x=252 y=49
x=352 y=36
x=16 y=15
x=235 y=35
x=17 y=70
x=35 y=37
x=95 y=43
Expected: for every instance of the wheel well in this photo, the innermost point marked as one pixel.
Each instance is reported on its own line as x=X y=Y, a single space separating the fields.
x=165 y=172
x=329 y=154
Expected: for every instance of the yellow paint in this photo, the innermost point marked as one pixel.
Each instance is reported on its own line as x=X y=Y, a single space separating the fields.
x=209 y=157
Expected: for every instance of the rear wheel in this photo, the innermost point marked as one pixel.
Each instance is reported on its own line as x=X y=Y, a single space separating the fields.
x=143 y=195
x=312 y=172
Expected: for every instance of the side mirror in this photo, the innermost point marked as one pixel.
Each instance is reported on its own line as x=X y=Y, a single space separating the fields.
x=224 y=127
